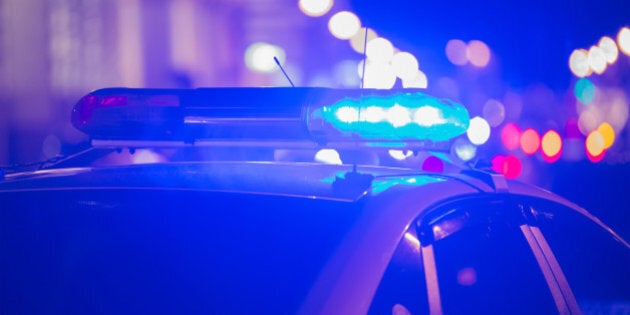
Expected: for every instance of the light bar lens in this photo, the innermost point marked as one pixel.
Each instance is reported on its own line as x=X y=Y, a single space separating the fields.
x=400 y=117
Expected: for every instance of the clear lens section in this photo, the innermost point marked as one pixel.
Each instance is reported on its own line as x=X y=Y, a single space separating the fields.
x=400 y=117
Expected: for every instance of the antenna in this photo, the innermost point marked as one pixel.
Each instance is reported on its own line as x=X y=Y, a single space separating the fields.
x=284 y=72
x=364 y=56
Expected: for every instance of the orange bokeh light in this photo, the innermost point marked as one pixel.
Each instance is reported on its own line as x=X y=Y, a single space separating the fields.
x=551 y=146
x=530 y=141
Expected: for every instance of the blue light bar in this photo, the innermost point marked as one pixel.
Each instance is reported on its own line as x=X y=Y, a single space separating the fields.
x=321 y=116
x=402 y=117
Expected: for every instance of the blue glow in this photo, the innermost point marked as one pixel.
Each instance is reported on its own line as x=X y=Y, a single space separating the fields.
x=584 y=91
x=381 y=185
x=402 y=117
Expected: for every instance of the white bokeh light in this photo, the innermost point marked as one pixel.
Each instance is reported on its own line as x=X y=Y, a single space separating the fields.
x=479 y=131
x=328 y=156
x=609 y=48
x=597 y=60
x=259 y=57
x=464 y=150
x=405 y=65
x=400 y=155
x=578 y=63
x=419 y=81
x=315 y=8
x=623 y=40
x=380 y=50
x=344 y=24
x=377 y=75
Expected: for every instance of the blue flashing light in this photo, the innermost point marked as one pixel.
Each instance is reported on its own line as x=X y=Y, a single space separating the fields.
x=398 y=118
x=381 y=185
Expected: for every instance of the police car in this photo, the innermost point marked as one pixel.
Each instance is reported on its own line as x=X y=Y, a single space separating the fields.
x=233 y=216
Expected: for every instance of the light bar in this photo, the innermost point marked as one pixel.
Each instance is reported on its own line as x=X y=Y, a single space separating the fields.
x=319 y=115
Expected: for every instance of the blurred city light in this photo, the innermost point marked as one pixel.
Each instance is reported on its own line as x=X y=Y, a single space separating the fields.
x=419 y=81
x=584 y=90
x=463 y=149
x=551 y=146
x=578 y=63
x=357 y=42
x=494 y=112
x=400 y=155
x=433 y=164
x=479 y=131
x=597 y=60
x=608 y=134
x=405 y=65
x=377 y=75
x=259 y=57
x=595 y=145
x=511 y=136
x=623 y=40
x=328 y=156
x=530 y=141
x=315 y=8
x=589 y=120
x=456 y=51
x=609 y=48
x=344 y=24
x=478 y=53
x=510 y=166
x=380 y=50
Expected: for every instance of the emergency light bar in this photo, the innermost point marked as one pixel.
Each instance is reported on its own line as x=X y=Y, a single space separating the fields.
x=324 y=116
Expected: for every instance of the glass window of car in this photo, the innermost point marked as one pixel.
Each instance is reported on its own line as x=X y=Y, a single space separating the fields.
x=595 y=263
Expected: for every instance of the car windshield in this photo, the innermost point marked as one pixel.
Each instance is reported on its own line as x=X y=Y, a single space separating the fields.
x=163 y=251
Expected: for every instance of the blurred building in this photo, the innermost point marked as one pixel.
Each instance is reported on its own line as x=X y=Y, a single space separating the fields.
x=54 y=51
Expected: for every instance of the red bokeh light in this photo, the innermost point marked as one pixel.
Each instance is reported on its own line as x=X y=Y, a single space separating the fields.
x=511 y=136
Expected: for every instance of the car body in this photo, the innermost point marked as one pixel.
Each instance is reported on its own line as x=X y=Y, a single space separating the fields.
x=249 y=235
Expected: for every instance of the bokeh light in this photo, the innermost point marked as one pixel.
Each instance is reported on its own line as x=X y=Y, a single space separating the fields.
x=51 y=146
x=609 y=48
x=608 y=134
x=433 y=164
x=578 y=63
x=589 y=120
x=463 y=149
x=530 y=141
x=400 y=155
x=478 y=131
x=551 y=146
x=511 y=136
x=347 y=114
x=328 y=156
x=510 y=166
x=584 y=90
x=380 y=50
x=597 y=60
x=405 y=65
x=377 y=75
x=623 y=40
x=357 y=42
x=478 y=53
x=494 y=112
x=456 y=52
x=344 y=24
x=419 y=81
x=595 y=143
x=259 y=57
x=315 y=8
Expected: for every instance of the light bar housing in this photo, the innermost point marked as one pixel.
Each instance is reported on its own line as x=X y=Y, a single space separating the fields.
x=364 y=117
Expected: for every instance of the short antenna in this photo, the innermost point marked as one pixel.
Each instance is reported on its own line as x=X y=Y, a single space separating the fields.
x=364 y=56
x=284 y=72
